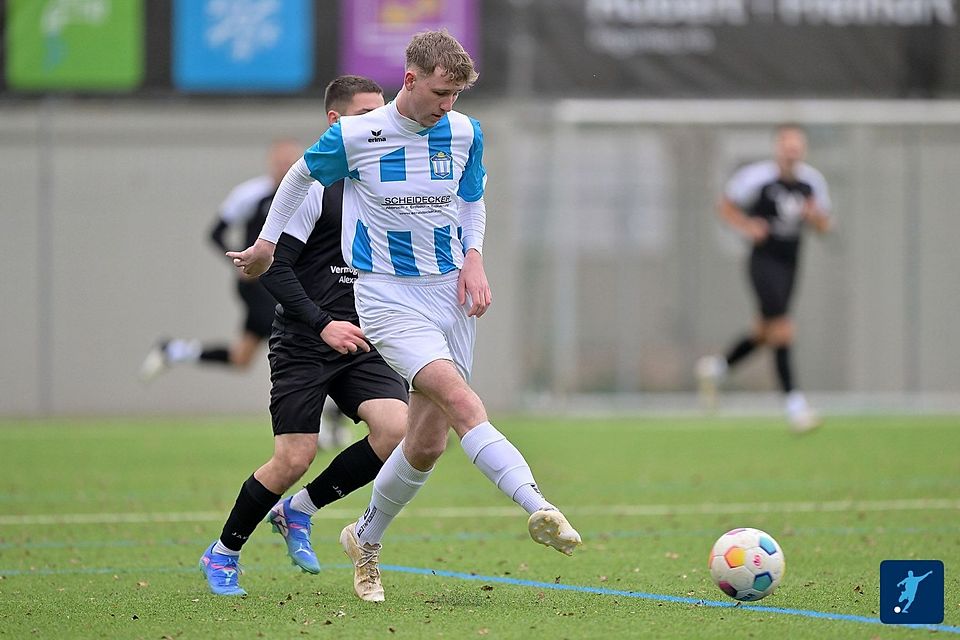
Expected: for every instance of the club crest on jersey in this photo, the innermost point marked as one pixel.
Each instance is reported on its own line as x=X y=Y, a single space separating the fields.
x=441 y=165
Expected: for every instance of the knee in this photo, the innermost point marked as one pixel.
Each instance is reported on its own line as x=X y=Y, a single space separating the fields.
x=294 y=463
x=424 y=452
x=465 y=407
x=781 y=333
x=385 y=436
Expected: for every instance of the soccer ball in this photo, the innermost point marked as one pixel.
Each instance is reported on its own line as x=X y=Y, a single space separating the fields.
x=747 y=564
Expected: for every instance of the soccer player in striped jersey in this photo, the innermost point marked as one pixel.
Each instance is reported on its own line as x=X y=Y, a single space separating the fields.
x=770 y=203
x=414 y=223
x=316 y=350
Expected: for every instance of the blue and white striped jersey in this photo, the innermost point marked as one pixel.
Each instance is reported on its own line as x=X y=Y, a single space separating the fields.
x=400 y=199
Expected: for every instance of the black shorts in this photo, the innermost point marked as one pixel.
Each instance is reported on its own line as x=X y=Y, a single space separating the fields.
x=304 y=371
x=260 y=307
x=772 y=279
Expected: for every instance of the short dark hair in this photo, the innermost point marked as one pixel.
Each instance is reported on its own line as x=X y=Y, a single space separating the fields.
x=342 y=89
x=431 y=49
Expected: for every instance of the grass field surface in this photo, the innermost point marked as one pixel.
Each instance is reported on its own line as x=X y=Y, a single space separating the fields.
x=102 y=524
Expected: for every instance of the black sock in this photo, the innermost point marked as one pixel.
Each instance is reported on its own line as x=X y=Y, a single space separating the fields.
x=218 y=355
x=253 y=504
x=782 y=355
x=353 y=468
x=741 y=350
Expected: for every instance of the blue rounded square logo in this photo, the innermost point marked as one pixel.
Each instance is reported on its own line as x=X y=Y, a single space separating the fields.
x=911 y=591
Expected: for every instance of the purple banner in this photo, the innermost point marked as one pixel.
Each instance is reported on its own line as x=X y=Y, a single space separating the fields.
x=374 y=33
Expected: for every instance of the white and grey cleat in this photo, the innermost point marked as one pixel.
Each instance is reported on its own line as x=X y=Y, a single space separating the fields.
x=549 y=527
x=366 y=565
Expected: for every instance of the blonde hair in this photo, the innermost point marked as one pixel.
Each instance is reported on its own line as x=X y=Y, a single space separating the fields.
x=429 y=50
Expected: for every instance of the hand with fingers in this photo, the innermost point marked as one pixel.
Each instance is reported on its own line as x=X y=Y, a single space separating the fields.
x=472 y=285
x=345 y=337
x=254 y=261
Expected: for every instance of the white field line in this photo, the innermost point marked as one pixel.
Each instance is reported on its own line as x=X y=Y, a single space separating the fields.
x=638 y=510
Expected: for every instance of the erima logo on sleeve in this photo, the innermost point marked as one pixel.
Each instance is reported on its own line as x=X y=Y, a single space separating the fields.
x=911 y=591
x=376 y=136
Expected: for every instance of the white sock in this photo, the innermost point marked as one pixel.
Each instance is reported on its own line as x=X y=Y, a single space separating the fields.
x=183 y=351
x=301 y=502
x=504 y=465
x=394 y=487
x=225 y=551
x=796 y=402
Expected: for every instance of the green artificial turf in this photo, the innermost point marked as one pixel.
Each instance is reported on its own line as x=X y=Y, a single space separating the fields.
x=102 y=524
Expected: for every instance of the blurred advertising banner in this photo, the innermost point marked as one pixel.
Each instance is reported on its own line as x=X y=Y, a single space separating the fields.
x=374 y=33
x=74 y=44
x=242 y=45
x=746 y=48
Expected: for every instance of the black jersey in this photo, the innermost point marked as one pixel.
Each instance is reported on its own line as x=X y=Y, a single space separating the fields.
x=309 y=277
x=760 y=191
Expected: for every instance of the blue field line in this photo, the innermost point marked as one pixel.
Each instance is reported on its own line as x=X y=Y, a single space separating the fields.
x=658 y=597
x=601 y=591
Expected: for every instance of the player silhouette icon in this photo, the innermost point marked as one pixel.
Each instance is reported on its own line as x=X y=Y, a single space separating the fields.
x=909 y=585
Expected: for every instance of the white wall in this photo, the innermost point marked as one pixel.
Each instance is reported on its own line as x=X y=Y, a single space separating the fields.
x=106 y=208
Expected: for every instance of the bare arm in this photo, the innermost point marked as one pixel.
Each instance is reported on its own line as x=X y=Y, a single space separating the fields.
x=754 y=229
x=817 y=218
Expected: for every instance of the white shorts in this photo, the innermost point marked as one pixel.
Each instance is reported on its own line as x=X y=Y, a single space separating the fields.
x=413 y=321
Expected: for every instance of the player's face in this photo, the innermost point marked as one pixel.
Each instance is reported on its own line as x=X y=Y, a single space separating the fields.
x=791 y=147
x=430 y=96
x=282 y=157
x=359 y=104
x=363 y=103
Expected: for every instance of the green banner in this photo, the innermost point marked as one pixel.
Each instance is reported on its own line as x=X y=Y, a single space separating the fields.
x=75 y=44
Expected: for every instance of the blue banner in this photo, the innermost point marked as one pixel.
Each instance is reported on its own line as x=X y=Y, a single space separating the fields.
x=242 y=45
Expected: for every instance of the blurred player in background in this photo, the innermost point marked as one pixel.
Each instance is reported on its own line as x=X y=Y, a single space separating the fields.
x=769 y=203
x=416 y=236
x=316 y=350
x=245 y=207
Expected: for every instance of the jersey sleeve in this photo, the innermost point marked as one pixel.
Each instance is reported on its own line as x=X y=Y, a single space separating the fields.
x=241 y=203
x=473 y=219
x=327 y=158
x=305 y=219
x=291 y=193
x=282 y=283
x=821 y=193
x=744 y=187
x=473 y=181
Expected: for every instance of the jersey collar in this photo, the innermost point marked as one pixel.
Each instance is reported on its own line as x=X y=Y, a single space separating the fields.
x=407 y=126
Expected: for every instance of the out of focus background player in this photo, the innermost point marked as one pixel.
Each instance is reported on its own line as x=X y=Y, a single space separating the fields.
x=245 y=208
x=770 y=203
